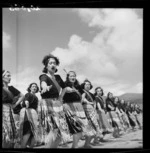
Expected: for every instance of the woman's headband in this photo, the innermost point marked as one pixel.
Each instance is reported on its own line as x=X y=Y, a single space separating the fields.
x=5 y=73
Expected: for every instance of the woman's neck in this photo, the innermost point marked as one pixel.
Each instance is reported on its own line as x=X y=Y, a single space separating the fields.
x=86 y=90
x=51 y=74
x=32 y=93
x=5 y=85
x=99 y=95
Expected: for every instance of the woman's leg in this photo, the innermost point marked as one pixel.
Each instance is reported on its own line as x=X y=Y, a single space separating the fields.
x=25 y=140
x=87 y=141
x=33 y=141
x=76 y=138
x=50 y=140
x=56 y=142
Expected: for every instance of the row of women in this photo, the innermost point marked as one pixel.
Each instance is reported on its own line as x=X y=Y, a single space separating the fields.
x=66 y=109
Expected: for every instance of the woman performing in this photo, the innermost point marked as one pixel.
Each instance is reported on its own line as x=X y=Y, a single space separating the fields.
x=101 y=110
x=138 y=115
x=29 y=117
x=52 y=118
x=122 y=108
x=10 y=134
x=75 y=115
x=111 y=110
x=89 y=105
x=118 y=112
x=131 y=116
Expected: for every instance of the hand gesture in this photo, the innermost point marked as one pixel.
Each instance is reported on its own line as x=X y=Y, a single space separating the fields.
x=27 y=104
x=69 y=90
x=46 y=88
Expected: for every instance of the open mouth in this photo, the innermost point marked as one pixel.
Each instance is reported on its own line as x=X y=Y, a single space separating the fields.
x=53 y=68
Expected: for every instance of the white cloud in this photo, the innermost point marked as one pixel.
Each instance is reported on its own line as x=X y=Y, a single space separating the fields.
x=120 y=38
x=115 y=53
x=6 y=40
x=137 y=88
x=23 y=78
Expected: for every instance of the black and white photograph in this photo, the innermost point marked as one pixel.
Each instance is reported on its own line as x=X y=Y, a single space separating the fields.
x=72 y=78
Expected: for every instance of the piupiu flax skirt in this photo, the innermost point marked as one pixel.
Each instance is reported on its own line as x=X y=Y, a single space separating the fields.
x=28 y=122
x=77 y=119
x=132 y=120
x=139 y=119
x=91 y=114
x=115 y=119
x=55 y=121
x=125 y=119
x=9 y=137
x=103 y=122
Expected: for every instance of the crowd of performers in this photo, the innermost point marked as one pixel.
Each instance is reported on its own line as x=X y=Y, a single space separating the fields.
x=66 y=110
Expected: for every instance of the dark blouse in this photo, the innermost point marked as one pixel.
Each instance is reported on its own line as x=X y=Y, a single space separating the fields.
x=109 y=102
x=128 y=110
x=9 y=97
x=33 y=100
x=138 y=110
x=53 y=92
x=74 y=96
x=88 y=97
x=100 y=100
x=122 y=107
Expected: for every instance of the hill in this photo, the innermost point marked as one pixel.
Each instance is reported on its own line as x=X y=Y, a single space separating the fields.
x=132 y=97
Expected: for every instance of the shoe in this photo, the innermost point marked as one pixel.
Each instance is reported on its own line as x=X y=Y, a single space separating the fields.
x=83 y=138
x=102 y=140
x=96 y=144
x=89 y=146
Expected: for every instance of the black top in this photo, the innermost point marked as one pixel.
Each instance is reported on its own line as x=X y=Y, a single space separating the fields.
x=138 y=110
x=88 y=97
x=109 y=102
x=8 y=96
x=100 y=100
x=53 y=92
x=33 y=100
x=128 y=110
x=74 y=96
x=122 y=107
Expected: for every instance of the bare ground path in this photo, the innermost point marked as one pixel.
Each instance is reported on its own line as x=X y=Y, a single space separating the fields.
x=131 y=139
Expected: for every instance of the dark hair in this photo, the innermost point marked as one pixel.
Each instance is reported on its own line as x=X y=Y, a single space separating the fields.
x=83 y=84
x=109 y=94
x=97 y=89
x=116 y=97
x=46 y=59
x=29 y=90
x=68 y=83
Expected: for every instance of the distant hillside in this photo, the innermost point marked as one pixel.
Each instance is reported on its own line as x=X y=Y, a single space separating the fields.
x=132 y=97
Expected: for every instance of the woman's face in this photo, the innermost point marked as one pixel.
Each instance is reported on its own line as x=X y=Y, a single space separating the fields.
x=87 y=86
x=99 y=92
x=122 y=101
x=33 y=88
x=116 y=100
x=51 y=66
x=72 y=77
x=7 y=77
x=128 y=103
x=110 y=95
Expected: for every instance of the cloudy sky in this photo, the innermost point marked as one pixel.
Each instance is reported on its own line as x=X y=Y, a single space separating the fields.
x=102 y=45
